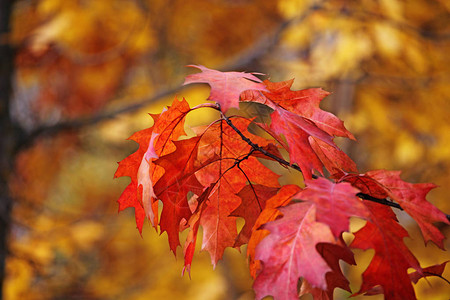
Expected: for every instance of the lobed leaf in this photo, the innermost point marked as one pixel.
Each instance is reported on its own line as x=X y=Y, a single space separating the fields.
x=289 y=252
x=226 y=87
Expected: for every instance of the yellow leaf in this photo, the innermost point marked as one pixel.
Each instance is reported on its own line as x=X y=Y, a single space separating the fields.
x=86 y=233
x=387 y=39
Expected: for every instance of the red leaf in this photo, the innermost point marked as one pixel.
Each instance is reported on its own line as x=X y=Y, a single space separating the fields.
x=191 y=240
x=392 y=258
x=333 y=159
x=173 y=187
x=299 y=118
x=222 y=142
x=140 y=167
x=215 y=177
x=289 y=252
x=411 y=197
x=435 y=270
x=297 y=130
x=332 y=253
x=367 y=185
x=253 y=200
x=131 y=196
x=303 y=103
x=226 y=87
x=193 y=223
x=335 y=203
x=317 y=294
x=270 y=213
x=219 y=228
x=128 y=199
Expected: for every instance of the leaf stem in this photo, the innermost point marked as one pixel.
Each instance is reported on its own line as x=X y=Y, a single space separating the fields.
x=379 y=200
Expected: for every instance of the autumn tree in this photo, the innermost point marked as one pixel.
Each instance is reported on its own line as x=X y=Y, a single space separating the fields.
x=85 y=73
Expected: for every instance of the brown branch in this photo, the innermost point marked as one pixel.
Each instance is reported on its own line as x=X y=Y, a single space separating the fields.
x=50 y=130
x=379 y=200
x=256 y=146
x=8 y=140
x=243 y=59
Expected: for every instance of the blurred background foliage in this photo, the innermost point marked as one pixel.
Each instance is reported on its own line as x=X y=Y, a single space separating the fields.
x=87 y=73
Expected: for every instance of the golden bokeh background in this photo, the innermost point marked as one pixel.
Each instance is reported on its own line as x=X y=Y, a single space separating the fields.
x=86 y=74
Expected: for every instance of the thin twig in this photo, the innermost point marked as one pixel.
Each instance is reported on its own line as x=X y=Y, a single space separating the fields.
x=256 y=146
x=379 y=200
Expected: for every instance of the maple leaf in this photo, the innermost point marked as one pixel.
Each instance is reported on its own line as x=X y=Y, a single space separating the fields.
x=392 y=258
x=226 y=87
x=289 y=252
x=411 y=197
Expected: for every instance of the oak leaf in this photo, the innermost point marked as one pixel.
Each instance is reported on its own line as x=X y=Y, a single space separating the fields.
x=335 y=203
x=332 y=253
x=435 y=270
x=270 y=213
x=294 y=235
x=168 y=127
x=226 y=87
x=139 y=166
x=411 y=197
x=289 y=252
x=392 y=258
x=193 y=224
x=173 y=187
x=129 y=166
x=229 y=172
x=253 y=201
x=304 y=103
x=297 y=131
x=298 y=117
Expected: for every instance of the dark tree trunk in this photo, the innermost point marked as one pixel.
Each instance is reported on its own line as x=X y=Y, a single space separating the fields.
x=8 y=138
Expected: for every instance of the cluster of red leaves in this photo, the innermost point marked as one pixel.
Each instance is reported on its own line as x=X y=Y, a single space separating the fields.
x=292 y=233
